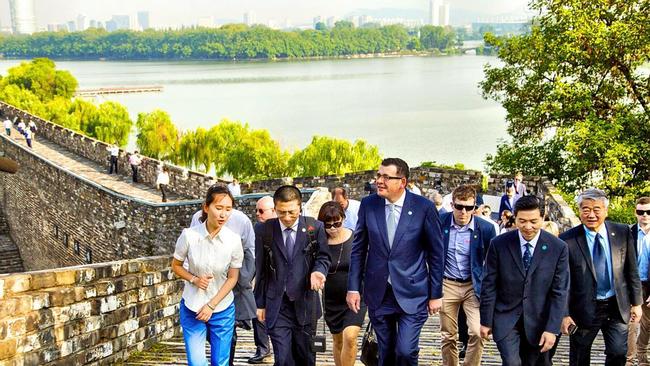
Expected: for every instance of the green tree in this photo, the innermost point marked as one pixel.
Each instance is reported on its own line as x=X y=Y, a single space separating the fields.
x=157 y=135
x=327 y=155
x=41 y=78
x=110 y=124
x=576 y=96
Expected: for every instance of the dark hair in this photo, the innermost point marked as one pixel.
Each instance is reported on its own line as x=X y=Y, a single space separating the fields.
x=528 y=203
x=287 y=193
x=643 y=200
x=402 y=167
x=213 y=191
x=343 y=191
x=331 y=211
x=464 y=192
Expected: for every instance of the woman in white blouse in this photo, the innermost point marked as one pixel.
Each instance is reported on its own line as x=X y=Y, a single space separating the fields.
x=214 y=256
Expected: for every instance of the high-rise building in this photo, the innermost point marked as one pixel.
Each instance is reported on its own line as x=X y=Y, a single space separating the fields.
x=444 y=15
x=81 y=22
x=249 y=18
x=23 y=20
x=438 y=13
x=72 y=26
x=143 y=20
x=118 y=22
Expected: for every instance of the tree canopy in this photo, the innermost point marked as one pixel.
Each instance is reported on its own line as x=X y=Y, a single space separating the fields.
x=576 y=90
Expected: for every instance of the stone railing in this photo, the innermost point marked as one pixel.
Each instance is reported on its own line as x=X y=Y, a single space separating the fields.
x=87 y=314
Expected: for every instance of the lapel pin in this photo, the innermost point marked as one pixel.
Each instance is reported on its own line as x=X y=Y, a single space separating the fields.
x=544 y=247
x=475 y=236
x=410 y=212
x=303 y=230
x=613 y=234
x=446 y=231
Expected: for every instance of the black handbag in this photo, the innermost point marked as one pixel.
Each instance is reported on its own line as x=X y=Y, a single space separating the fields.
x=369 y=348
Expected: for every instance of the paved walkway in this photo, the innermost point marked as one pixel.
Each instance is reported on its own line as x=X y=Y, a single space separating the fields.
x=92 y=171
x=172 y=352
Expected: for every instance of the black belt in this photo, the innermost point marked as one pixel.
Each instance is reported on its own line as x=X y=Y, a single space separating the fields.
x=606 y=301
x=459 y=280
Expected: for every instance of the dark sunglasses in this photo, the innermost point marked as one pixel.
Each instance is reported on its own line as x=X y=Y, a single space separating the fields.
x=641 y=212
x=460 y=207
x=334 y=224
x=261 y=211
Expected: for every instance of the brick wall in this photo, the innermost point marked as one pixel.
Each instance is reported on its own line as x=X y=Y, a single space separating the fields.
x=94 y=314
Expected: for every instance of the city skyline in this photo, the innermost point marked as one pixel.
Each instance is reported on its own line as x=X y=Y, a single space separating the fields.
x=169 y=13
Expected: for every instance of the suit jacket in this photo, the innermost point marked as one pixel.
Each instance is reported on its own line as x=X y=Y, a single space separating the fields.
x=415 y=262
x=245 y=306
x=582 y=294
x=505 y=205
x=539 y=295
x=269 y=290
x=480 y=242
x=634 y=231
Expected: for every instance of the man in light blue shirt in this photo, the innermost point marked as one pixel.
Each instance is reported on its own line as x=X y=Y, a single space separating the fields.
x=639 y=335
x=351 y=207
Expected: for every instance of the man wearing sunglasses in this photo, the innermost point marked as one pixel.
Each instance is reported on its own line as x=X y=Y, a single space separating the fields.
x=638 y=347
x=351 y=207
x=467 y=239
x=396 y=262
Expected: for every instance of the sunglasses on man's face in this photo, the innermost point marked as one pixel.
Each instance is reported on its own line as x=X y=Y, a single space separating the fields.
x=334 y=224
x=641 y=212
x=460 y=207
x=261 y=211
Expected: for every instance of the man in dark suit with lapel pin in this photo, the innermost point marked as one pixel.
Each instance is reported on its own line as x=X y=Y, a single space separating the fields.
x=396 y=262
x=605 y=291
x=284 y=298
x=467 y=238
x=524 y=289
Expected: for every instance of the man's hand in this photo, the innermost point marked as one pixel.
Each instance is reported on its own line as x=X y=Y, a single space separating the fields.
x=485 y=332
x=204 y=314
x=317 y=281
x=647 y=302
x=434 y=306
x=547 y=341
x=203 y=281
x=635 y=314
x=261 y=315
x=354 y=301
x=565 y=325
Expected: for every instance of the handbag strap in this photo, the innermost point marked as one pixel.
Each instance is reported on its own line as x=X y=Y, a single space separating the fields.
x=314 y=313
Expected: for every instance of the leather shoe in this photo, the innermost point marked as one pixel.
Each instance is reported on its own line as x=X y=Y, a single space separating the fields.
x=258 y=357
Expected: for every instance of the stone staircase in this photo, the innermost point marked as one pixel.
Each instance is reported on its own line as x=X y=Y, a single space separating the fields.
x=10 y=260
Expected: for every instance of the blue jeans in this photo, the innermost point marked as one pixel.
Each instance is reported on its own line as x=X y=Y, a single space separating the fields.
x=219 y=330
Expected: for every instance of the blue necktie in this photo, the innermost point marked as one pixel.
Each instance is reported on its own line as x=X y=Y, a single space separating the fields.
x=391 y=225
x=289 y=243
x=600 y=266
x=528 y=256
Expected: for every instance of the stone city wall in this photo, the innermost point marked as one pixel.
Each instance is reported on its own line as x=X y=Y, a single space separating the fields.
x=94 y=314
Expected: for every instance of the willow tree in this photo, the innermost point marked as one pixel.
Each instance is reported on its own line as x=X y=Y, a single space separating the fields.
x=327 y=155
x=158 y=137
x=577 y=95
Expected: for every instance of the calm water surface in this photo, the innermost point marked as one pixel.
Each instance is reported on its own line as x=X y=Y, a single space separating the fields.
x=417 y=108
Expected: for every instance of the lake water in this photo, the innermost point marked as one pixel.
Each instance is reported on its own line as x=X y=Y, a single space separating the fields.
x=417 y=108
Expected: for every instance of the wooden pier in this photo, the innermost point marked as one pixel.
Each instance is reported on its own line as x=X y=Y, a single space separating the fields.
x=118 y=90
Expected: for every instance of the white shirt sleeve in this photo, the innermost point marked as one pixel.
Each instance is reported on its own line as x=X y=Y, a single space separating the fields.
x=237 y=254
x=182 y=247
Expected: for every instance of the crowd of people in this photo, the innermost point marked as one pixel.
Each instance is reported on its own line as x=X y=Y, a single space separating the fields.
x=28 y=131
x=398 y=257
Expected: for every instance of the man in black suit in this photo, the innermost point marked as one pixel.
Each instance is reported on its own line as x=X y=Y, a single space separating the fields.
x=605 y=291
x=524 y=288
x=284 y=300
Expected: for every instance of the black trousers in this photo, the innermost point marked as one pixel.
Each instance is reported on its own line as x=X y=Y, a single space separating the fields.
x=608 y=320
x=515 y=349
x=162 y=190
x=134 y=169
x=113 y=165
x=261 y=337
x=290 y=339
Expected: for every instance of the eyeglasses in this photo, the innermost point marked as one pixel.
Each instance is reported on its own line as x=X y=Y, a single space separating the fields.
x=460 y=207
x=334 y=224
x=261 y=211
x=386 y=177
x=641 y=212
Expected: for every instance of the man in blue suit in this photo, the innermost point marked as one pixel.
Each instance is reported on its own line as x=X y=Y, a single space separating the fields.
x=525 y=288
x=467 y=239
x=396 y=262
x=284 y=278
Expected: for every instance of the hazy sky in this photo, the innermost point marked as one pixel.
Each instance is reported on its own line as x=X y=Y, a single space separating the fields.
x=176 y=12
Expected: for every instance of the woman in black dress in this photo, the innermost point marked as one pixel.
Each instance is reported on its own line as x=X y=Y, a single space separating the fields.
x=343 y=323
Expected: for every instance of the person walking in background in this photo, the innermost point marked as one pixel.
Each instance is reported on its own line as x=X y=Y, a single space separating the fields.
x=264 y=210
x=508 y=198
x=162 y=181
x=114 y=153
x=524 y=289
x=135 y=160
x=605 y=291
x=467 y=238
x=292 y=261
x=214 y=256
x=520 y=187
x=343 y=323
x=28 y=137
x=7 y=124
x=397 y=262
x=351 y=207
x=21 y=127
x=234 y=187
x=639 y=334
x=414 y=189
